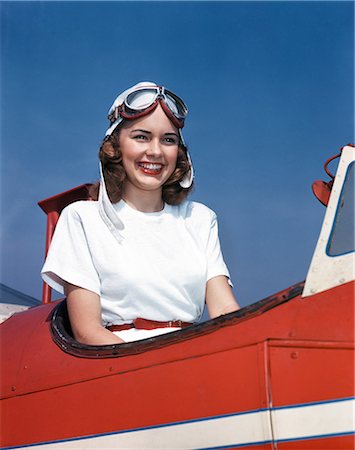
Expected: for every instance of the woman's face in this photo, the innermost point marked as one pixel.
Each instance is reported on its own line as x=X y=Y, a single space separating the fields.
x=149 y=148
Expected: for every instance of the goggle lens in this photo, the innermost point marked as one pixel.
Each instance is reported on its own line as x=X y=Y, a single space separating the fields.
x=142 y=99
x=176 y=105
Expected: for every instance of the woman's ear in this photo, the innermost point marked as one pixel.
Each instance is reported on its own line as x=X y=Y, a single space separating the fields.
x=108 y=149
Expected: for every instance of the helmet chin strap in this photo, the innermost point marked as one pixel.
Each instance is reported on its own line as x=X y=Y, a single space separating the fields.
x=186 y=182
x=107 y=211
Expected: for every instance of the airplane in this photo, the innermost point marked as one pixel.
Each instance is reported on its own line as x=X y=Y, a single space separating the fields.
x=12 y=301
x=277 y=374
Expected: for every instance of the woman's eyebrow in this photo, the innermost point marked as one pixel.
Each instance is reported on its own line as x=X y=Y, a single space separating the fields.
x=141 y=131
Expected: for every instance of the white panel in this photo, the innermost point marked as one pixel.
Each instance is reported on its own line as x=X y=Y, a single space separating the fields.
x=314 y=420
x=295 y=422
x=326 y=272
x=242 y=428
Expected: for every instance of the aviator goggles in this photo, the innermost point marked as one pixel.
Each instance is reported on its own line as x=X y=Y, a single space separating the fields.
x=141 y=100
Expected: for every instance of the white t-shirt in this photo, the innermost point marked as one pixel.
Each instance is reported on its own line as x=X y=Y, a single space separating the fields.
x=159 y=270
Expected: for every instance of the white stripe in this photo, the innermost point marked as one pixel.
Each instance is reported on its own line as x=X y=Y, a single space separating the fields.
x=243 y=428
x=314 y=420
x=304 y=421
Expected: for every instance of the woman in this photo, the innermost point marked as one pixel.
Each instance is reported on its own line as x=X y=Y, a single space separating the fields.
x=140 y=260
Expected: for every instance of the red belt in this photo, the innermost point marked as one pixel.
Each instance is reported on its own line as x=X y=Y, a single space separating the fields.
x=145 y=324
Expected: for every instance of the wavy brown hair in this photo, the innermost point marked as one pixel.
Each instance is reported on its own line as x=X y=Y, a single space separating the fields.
x=114 y=173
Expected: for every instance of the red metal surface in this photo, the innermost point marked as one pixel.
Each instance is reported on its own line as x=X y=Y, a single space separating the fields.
x=163 y=393
x=294 y=353
x=322 y=191
x=52 y=219
x=312 y=371
x=53 y=206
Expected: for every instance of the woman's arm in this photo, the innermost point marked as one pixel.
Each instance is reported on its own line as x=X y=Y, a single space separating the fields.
x=84 y=311
x=219 y=297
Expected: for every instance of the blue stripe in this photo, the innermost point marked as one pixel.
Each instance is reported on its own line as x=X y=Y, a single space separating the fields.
x=248 y=444
x=320 y=436
x=305 y=438
x=203 y=419
x=132 y=430
x=304 y=405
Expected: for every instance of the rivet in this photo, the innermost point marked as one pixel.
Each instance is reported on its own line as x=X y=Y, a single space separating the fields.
x=13 y=388
x=294 y=355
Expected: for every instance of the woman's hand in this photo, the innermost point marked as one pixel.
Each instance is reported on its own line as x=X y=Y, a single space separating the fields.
x=84 y=311
x=219 y=297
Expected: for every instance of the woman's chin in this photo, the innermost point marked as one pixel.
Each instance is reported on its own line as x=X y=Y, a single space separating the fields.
x=148 y=183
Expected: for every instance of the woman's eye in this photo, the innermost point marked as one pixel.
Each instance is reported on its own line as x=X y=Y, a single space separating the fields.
x=140 y=137
x=170 y=140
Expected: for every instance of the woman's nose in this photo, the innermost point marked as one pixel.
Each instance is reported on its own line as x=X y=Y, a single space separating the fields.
x=154 y=148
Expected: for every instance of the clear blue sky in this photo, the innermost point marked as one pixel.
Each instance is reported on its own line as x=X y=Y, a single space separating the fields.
x=270 y=91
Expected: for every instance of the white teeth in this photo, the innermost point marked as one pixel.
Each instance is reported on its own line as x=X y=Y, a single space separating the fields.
x=151 y=166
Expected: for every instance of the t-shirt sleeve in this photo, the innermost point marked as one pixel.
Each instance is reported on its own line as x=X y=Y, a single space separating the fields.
x=215 y=262
x=69 y=259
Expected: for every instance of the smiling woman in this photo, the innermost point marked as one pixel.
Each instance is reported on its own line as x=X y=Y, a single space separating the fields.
x=140 y=260
x=149 y=148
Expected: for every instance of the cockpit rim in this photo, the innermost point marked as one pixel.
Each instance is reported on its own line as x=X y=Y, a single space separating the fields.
x=61 y=335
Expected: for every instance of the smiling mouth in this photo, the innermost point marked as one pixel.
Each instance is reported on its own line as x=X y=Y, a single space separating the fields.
x=150 y=168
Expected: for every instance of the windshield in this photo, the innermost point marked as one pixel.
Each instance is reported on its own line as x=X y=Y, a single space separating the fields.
x=342 y=239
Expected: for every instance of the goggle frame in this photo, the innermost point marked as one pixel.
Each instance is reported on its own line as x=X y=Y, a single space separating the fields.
x=161 y=95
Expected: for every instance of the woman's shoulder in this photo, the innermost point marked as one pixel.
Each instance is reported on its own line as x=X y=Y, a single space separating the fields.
x=196 y=211
x=80 y=208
